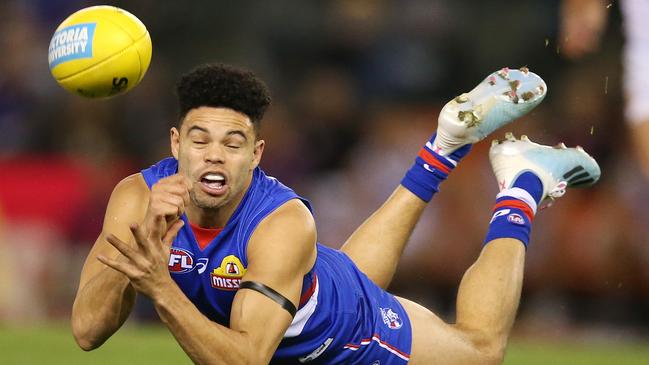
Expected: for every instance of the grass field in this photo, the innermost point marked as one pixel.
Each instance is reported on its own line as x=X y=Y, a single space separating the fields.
x=54 y=345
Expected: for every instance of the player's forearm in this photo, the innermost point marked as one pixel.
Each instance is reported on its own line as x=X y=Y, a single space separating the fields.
x=204 y=341
x=490 y=291
x=101 y=307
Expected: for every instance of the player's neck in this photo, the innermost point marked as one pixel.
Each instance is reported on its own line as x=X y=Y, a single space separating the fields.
x=208 y=218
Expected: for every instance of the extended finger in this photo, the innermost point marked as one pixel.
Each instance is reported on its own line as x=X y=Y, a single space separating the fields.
x=120 y=245
x=175 y=182
x=186 y=198
x=158 y=227
x=165 y=209
x=176 y=188
x=187 y=186
x=180 y=185
x=177 y=177
x=178 y=202
x=172 y=232
x=120 y=266
x=140 y=236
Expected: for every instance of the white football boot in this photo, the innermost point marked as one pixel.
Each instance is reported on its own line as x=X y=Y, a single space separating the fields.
x=503 y=96
x=558 y=167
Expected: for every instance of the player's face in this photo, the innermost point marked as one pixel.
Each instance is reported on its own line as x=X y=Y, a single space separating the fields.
x=217 y=150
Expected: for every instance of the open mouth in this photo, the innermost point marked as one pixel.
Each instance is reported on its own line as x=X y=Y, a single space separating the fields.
x=214 y=183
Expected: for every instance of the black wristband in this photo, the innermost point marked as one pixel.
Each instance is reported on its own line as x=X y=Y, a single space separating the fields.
x=272 y=294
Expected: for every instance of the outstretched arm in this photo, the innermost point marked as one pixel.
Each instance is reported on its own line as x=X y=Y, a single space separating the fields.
x=257 y=323
x=105 y=297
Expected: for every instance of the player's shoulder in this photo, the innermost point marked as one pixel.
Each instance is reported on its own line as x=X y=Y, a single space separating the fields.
x=127 y=203
x=132 y=185
x=288 y=232
x=294 y=211
x=131 y=191
x=292 y=218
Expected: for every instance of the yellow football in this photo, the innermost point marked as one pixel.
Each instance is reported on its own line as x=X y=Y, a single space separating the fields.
x=100 y=51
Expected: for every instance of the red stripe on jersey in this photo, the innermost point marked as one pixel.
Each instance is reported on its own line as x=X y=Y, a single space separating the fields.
x=307 y=294
x=396 y=350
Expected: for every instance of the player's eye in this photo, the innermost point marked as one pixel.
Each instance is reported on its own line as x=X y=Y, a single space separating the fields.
x=233 y=143
x=199 y=142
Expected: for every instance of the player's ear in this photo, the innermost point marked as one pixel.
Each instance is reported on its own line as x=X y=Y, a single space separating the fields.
x=174 y=137
x=259 y=150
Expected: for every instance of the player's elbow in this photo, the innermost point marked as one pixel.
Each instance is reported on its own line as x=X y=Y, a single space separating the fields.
x=492 y=357
x=247 y=357
x=249 y=352
x=491 y=351
x=488 y=347
x=84 y=337
x=85 y=342
x=85 y=334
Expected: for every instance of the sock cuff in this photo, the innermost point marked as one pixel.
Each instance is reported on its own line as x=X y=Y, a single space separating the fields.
x=511 y=219
x=430 y=169
x=515 y=204
x=436 y=161
x=422 y=182
x=452 y=158
x=520 y=194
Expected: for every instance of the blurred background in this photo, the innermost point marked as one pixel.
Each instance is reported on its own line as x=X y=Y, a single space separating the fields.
x=357 y=86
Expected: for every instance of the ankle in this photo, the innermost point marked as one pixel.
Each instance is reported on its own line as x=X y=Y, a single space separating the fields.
x=430 y=169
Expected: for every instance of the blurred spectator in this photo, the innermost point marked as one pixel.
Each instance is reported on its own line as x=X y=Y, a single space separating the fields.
x=582 y=25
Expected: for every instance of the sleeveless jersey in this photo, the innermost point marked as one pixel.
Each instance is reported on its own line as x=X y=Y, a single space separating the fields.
x=342 y=315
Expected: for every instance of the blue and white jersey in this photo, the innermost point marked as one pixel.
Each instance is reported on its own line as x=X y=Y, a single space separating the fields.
x=342 y=315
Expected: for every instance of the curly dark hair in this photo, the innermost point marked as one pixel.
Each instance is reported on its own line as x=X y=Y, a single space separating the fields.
x=220 y=85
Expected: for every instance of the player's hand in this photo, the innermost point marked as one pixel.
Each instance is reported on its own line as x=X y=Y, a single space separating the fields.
x=169 y=198
x=146 y=264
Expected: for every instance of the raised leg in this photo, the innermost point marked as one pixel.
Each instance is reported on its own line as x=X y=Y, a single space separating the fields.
x=529 y=174
x=487 y=301
x=503 y=96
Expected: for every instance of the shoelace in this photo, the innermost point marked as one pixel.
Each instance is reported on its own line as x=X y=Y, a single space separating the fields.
x=557 y=192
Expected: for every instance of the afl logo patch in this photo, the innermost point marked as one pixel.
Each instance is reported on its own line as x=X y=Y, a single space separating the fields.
x=228 y=275
x=182 y=261
x=516 y=219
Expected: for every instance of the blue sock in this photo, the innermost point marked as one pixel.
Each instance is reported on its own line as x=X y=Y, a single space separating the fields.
x=430 y=169
x=515 y=209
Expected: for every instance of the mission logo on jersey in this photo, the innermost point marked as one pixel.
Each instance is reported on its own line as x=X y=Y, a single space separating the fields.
x=228 y=275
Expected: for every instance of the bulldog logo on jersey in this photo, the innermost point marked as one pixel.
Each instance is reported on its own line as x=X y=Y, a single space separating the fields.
x=391 y=318
x=228 y=275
